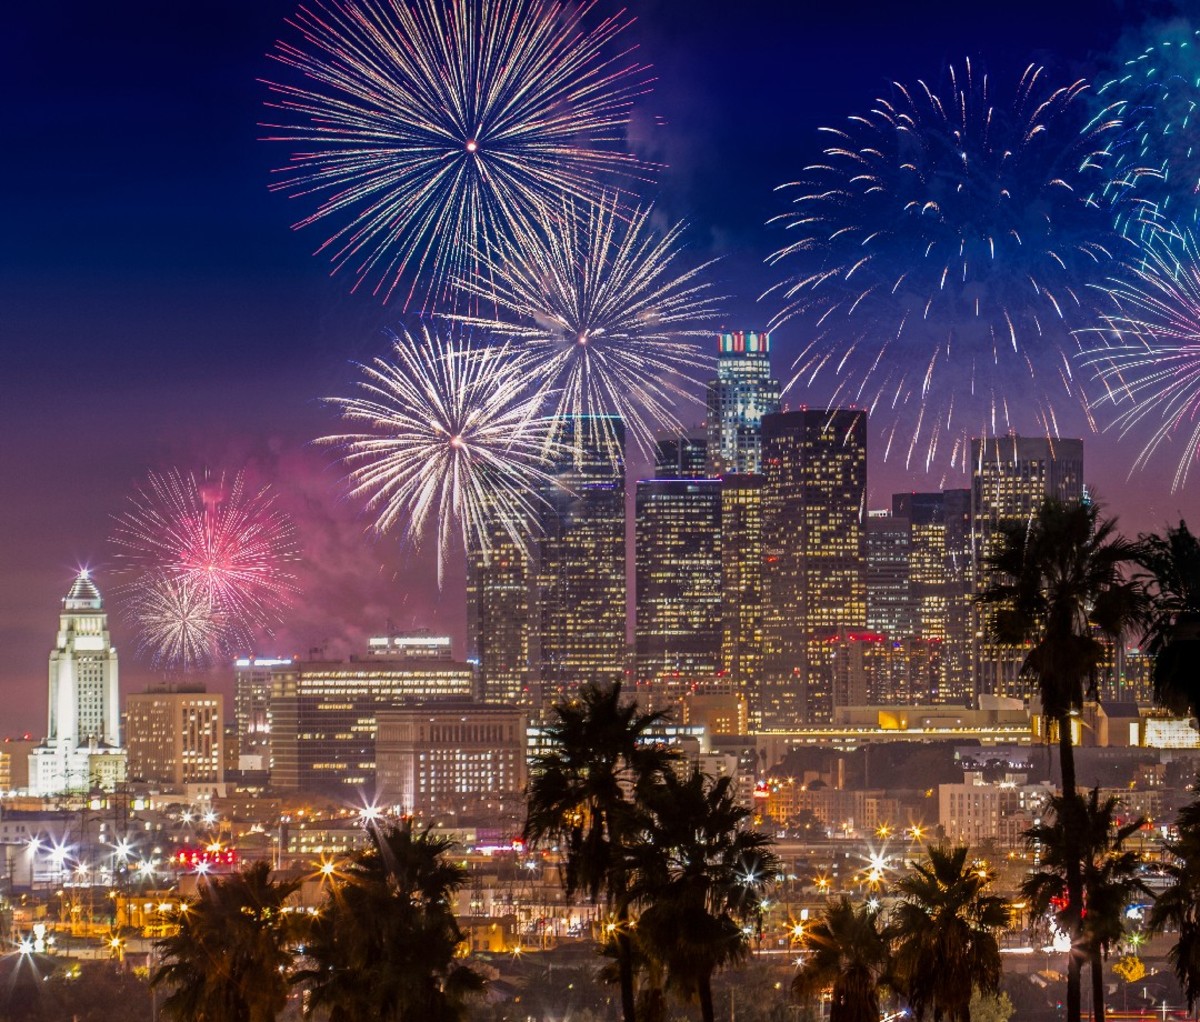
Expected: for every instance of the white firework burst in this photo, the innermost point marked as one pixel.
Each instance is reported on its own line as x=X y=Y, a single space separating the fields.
x=449 y=433
x=1147 y=353
x=426 y=127
x=176 y=623
x=599 y=300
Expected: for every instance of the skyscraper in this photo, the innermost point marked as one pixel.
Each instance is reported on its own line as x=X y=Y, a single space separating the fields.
x=579 y=632
x=742 y=393
x=940 y=576
x=1010 y=478
x=815 y=467
x=82 y=749
x=498 y=592
x=677 y=634
x=890 y=598
x=742 y=585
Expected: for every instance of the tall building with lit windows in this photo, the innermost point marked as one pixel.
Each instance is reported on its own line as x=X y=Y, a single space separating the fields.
x=82 y=749
x=814 y=586
x=498 y=618
x=1010 y=478
x=579 y=593
x=890 y=604
x=677 y=556
x=742 y=585
x=940 y=580
x=742 y=393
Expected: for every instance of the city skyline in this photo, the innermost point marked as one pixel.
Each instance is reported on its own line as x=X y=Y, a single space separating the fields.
x=198 y=332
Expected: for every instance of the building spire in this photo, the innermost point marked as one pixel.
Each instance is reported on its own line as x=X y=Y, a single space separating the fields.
x=83 y=594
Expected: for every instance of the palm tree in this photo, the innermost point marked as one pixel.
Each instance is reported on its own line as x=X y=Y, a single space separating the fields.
x=1171 y=565
x=1178 y=906
x=230 y=958
x=582 y=799
x=700 y=873
x=1109 y=875
x=383 y=946
x=848 y=952
x=1057 y=587
x=945 y=932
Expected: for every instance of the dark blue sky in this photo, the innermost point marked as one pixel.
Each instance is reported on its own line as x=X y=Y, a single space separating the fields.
x=156 y=309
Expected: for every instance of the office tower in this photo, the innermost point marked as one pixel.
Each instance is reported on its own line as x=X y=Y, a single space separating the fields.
x=741 y=585
x=322 y=713
x=890 y=603
x=681 y=455
x=957 y=672
x=742 y=393
x=498 y=594
x=174 y=737
x=814 y=586
x=677 y=557
x=82 y=749
x=252 y=709
x=464 y=760
x=579 y=633
x=1010 y=478
x=940 y=582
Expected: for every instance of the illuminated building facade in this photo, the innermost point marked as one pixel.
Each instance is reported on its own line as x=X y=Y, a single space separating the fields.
x=814 y=585
x=579 y=633
x=677 y=635
x=890 y=604
x=941 y=576
x=498 y=617
x=742 y=585
x=252 y=708
x=322 y=715
x=1010 y=478
x=742 y=393
x=465 y=760
x=682 y=455
x=420 y=644
x=82 y=749
x=174 y=737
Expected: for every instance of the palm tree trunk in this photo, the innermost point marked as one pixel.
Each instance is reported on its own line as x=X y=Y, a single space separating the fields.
x=625 y=965
x=704 y=995
x=1066 y=766
x=1097 y=986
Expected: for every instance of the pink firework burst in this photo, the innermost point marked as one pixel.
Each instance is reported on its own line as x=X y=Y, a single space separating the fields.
x=228 y=545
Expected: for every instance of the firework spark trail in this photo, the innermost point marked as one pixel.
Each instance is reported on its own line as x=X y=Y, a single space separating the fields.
x=1147 y=352
x=176 y=623
x=599 y=301
x=425 y=129
x=448 y=433
x=1155 y=161
x=224 y=545
x=941 y=255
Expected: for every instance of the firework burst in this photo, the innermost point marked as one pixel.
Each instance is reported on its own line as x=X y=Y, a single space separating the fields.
x=425 y=128
x=176 y=623
x=943 y=247
x=1147 y=353
x=1155 y=163
x=449 y=433
x=599 y=301
x=207 y=542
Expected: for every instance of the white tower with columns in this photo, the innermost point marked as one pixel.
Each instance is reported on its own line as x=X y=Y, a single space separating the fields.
x=82 y=749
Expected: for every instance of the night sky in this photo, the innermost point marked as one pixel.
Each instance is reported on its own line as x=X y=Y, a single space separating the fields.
x=156 y=309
